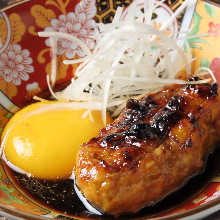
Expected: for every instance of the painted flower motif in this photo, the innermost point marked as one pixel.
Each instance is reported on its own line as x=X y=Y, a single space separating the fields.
x=215 y=67
x=214 y=29
x=79 y=24
x=15 y=64
x=32 y=89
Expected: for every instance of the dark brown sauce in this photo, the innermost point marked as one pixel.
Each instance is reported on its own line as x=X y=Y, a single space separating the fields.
x=60 y=196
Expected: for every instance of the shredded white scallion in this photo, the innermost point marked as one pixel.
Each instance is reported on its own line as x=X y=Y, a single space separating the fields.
x=53 y=41
x=68 y=37
x=131 y=58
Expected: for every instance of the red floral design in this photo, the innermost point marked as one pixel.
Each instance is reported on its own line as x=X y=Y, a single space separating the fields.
x=214 y=29
x=79 y=24
x=215 y=67
x=32 y=89
x=15 y=64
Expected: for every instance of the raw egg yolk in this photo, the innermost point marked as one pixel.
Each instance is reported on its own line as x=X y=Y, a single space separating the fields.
x=45 y=143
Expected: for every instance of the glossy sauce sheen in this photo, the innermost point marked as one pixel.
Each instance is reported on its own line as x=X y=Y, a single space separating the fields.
x=60 y=196
x=151 y=149
x=149 y=120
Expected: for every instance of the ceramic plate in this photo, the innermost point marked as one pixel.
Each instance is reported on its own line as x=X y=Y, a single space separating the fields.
x=25 y=61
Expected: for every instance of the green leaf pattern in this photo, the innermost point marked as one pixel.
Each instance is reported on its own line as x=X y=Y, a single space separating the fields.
x=193 y=42
x=205 y=63
x=210 y=10
x=197 y=19
x=8 y=192
x=197 y=41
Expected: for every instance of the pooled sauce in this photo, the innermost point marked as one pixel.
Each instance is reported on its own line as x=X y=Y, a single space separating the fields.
x=60 y=196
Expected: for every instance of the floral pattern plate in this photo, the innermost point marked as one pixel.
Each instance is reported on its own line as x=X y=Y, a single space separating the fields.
x=25 y=61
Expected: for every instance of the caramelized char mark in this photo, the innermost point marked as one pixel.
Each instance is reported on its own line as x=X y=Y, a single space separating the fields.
x=151 y=149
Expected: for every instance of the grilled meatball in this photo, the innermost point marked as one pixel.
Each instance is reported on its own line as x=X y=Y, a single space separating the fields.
x=151 y=149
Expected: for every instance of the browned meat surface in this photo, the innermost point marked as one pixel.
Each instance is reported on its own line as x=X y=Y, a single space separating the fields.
x=151 y=149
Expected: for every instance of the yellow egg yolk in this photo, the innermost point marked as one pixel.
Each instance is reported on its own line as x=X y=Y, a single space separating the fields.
x=45 y=143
